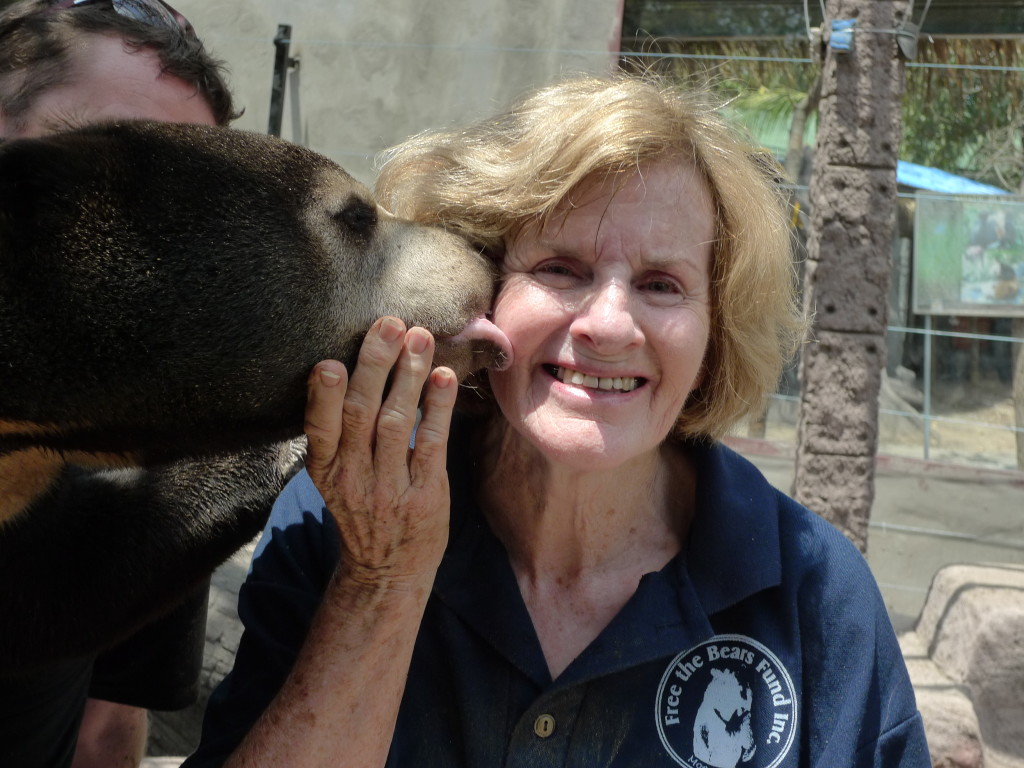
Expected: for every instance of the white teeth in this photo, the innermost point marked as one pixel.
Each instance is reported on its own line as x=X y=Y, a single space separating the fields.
x=620 y=384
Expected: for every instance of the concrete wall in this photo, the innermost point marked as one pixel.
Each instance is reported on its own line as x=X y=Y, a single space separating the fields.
x=372 y=72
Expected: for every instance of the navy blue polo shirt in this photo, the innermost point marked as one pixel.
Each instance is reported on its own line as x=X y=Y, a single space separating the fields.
x=764 y=643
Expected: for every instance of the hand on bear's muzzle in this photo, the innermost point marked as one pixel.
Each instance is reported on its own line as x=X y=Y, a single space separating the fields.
x=390 y=503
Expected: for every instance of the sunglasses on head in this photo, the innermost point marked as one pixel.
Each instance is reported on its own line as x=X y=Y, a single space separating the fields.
x=152 y=13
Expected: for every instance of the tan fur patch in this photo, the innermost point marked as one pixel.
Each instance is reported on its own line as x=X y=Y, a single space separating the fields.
x=27 y=473
x=24 y=476
x=24 y=428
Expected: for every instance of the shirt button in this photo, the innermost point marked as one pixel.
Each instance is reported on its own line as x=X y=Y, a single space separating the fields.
x=544 y=726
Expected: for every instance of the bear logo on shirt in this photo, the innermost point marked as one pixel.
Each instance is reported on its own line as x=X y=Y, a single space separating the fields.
x=727 y=703
x=722 y=736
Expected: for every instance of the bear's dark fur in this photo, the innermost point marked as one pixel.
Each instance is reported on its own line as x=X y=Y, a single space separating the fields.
x=164 y=293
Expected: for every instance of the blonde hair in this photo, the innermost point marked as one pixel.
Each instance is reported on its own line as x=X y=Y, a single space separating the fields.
x=491 y=179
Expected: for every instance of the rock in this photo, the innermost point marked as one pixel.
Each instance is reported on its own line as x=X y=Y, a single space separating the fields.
x=967 y=651
x=954 y=737
x=995 y=675
x=952 y=730
x=899 y=420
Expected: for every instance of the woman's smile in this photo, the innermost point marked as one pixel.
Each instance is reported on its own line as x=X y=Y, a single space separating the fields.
x=582 y=380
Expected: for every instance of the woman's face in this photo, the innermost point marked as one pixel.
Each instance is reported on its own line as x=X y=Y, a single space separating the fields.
x=607 y=309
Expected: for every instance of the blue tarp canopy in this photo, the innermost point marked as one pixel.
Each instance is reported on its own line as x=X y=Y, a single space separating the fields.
x=934 y=180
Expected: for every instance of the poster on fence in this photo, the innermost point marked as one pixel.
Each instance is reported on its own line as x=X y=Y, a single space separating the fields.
x=968 y=256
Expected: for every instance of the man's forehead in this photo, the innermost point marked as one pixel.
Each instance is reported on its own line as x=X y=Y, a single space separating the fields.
x=110 y=80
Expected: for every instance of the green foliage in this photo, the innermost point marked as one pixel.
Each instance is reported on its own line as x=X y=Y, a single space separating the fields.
x=767 y=114
x=961 y=109
x=732 y=66
x=966 y=121
x=759 y=91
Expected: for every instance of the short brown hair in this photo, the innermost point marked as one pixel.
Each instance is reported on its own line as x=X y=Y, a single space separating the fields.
x=35 y=46
x=491 y=179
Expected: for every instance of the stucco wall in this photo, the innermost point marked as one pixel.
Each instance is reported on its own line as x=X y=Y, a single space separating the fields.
x=371 y=73
x=375 y=71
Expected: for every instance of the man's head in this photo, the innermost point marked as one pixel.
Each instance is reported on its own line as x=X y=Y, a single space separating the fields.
x=62 y=67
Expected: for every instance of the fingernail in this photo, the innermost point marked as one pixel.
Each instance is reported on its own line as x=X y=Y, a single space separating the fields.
x=418 y=343
x=391 y=329
x=444 y=378
x=329 y=378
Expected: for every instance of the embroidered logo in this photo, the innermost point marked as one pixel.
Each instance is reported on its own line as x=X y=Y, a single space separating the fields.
x=725 y=703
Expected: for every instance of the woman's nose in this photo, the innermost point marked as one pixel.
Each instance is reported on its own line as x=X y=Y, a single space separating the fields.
x=606 y=319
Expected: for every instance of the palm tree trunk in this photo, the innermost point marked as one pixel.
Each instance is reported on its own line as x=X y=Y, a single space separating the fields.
x=853 y=198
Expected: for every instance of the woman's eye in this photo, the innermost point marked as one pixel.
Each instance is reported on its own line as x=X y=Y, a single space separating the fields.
x=555 y=268
x=556 y=274
x=661 y=285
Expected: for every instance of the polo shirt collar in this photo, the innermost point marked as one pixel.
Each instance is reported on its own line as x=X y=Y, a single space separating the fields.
x=733 y=549
x=732 y=552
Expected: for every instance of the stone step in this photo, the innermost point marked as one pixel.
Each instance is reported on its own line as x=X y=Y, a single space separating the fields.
x=966 y=661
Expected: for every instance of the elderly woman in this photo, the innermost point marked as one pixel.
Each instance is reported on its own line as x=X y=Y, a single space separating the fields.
x=603 y=584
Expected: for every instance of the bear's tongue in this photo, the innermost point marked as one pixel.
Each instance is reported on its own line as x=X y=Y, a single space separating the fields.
x=482 y=329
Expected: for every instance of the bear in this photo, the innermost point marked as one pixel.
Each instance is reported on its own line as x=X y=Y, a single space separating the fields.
x=165 y=291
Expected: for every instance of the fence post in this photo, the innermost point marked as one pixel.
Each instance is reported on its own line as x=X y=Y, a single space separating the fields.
x=282 y=63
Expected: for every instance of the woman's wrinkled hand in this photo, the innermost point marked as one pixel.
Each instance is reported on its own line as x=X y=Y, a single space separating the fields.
x=390 y=503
